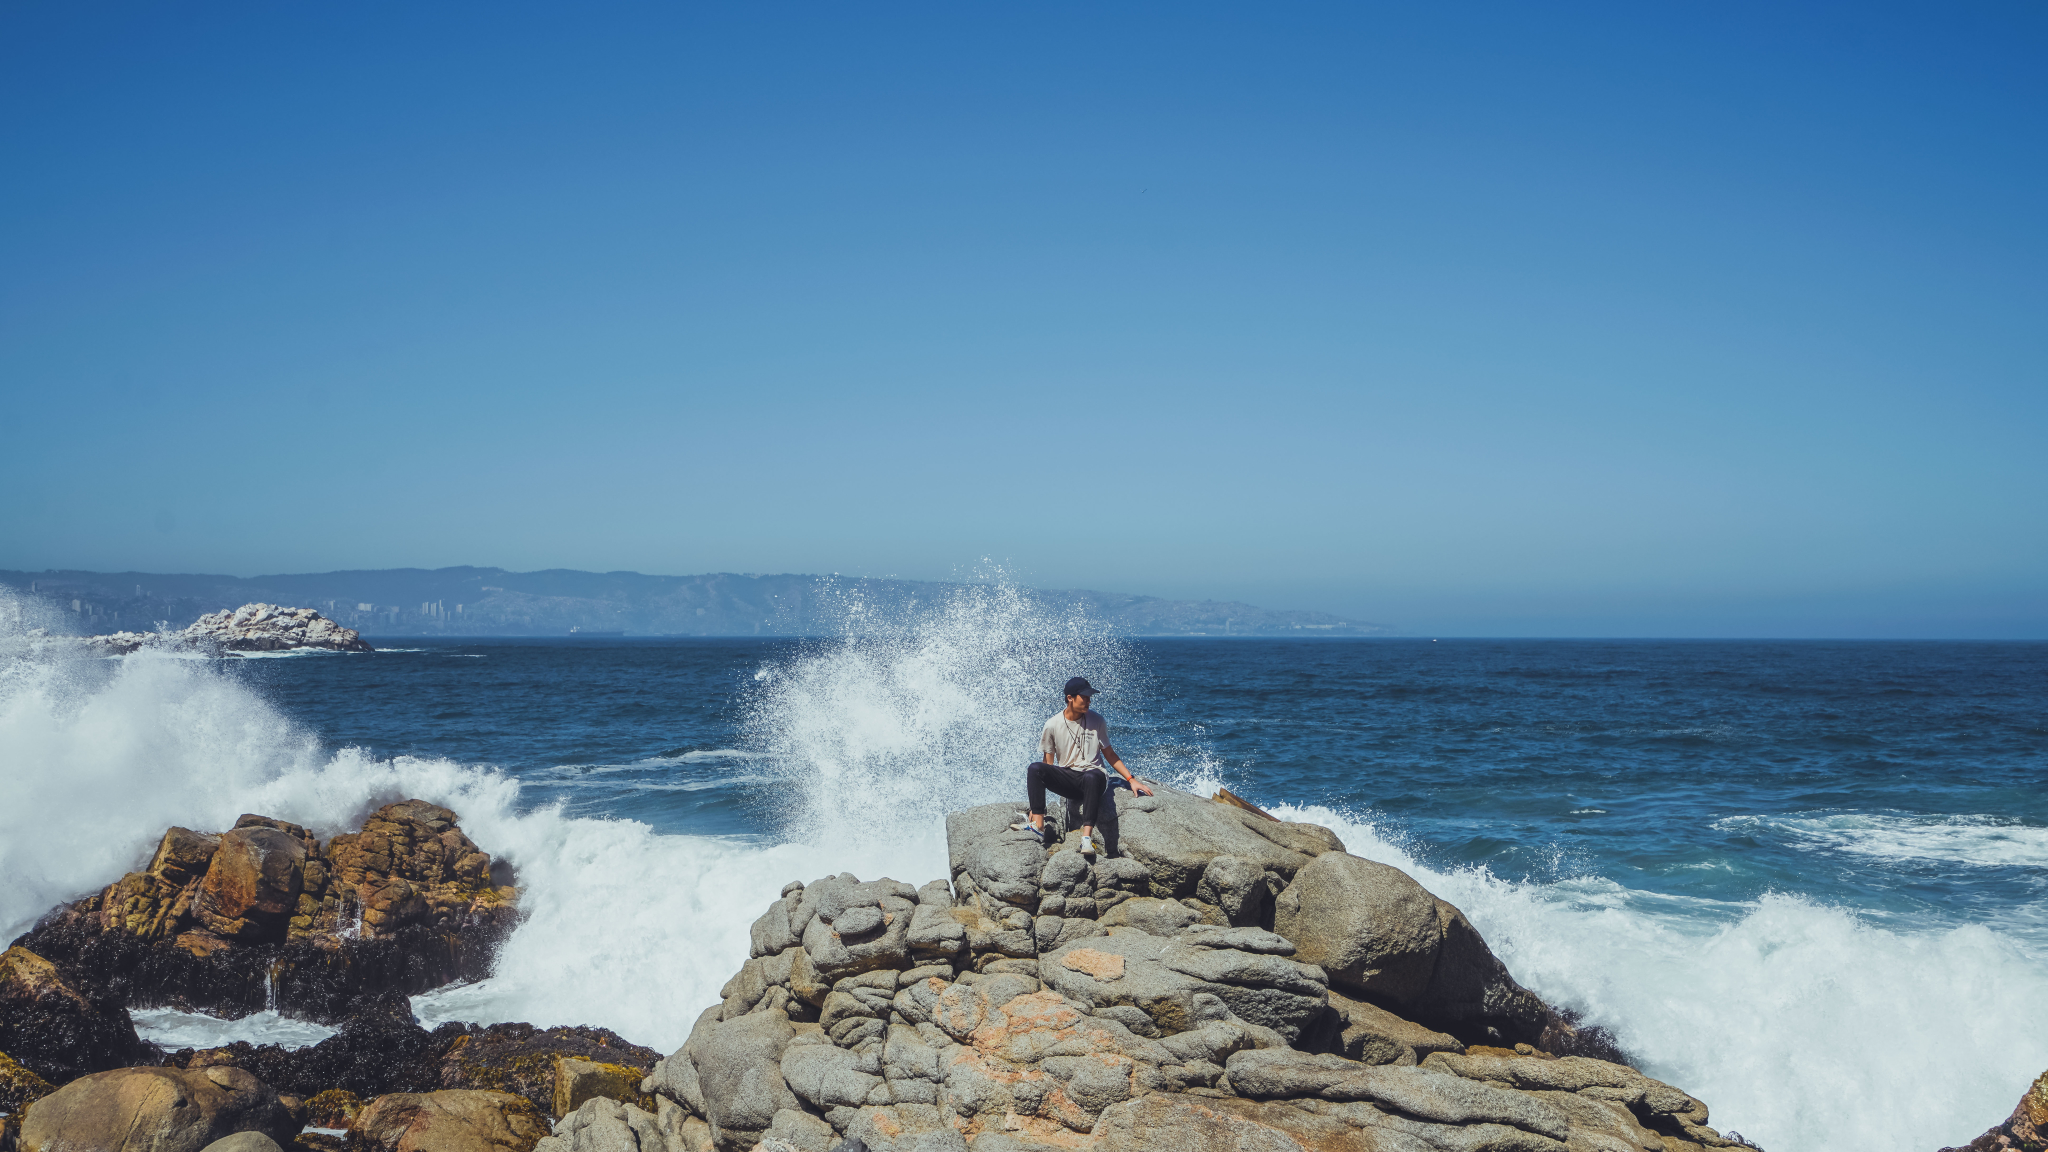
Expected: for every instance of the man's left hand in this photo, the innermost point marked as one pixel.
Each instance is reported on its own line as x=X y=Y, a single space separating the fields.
x=1139 y=788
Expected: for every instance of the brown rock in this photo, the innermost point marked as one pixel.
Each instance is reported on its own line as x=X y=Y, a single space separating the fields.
x=182 y=856
x=450 y=1121
x=154 y=1110
x=522 y=1059
x=334 y=1108
x=578 y=1080
x=19 y=1085
x=2026 y=1130
x=200 y=943
x=252 y=886
x=410 y=864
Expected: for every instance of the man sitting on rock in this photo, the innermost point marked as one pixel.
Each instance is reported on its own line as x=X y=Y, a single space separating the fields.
x=1071 y=750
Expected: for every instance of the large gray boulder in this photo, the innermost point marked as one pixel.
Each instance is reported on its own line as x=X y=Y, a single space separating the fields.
x=1177 y=834
x=729 y=1072
x=1381 y=935
x=992 y=859
x=1370 y=926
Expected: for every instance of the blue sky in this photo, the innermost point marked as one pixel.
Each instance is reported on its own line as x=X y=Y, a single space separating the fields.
x=1497 y=319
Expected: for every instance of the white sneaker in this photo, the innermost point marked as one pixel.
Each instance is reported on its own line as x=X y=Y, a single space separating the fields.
x=1087 y=846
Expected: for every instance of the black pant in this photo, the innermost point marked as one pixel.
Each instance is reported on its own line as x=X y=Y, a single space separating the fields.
x=1085 y=785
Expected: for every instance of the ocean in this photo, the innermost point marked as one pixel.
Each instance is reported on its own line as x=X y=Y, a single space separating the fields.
x=1803 y=881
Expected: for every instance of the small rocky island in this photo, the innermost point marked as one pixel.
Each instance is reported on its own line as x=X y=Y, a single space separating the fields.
x=250 y=628
x=1218 y=979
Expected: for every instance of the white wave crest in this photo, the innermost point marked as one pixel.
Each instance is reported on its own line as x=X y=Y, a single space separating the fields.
x=1983 y=841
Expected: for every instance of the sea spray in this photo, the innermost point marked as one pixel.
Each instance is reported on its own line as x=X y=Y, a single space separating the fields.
x=875 y=737
x=100 y=755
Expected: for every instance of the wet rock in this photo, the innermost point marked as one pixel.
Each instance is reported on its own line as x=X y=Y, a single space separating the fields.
x=19 y=1086
x=251 y=888
x=182 y=856
x=449 y=1121
x=524 y=1060
x=228 y=924
x=333 y=1108
x=1470 y=992
x=54 y=1027
x=154 y=1109
x=578 y=1081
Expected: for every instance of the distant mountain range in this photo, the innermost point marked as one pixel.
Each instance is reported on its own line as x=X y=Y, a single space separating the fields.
x=493 y=602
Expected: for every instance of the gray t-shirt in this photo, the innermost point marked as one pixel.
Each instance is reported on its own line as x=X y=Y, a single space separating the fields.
x=1073 y=743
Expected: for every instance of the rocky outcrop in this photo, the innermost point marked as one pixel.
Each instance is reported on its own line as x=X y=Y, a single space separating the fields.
x=264 y=913
x=2026 y=1130
x=1225 y=980
x=155 y=1110
x=1228 y=981
x=250 y=628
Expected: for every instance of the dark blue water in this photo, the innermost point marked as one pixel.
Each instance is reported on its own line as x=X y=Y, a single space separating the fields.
x=1906 y=779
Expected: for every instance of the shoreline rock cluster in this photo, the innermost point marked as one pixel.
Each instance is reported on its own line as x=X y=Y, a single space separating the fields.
x=1218 y=980
x=250 y=628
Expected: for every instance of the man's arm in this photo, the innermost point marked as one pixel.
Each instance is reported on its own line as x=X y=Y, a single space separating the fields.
x=1117 y=762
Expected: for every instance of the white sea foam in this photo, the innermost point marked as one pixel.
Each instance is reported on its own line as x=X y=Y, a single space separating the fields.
x=1984 y=841
x=1803 y=1025
x=175 y=1029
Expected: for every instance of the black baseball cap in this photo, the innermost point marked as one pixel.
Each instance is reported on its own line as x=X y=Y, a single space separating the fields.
x=1078 y=686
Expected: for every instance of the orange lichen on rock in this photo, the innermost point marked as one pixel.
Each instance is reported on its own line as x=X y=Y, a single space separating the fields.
x=1104 y=966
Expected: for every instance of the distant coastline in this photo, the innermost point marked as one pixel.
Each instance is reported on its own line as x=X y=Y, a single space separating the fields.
x=492 y=602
